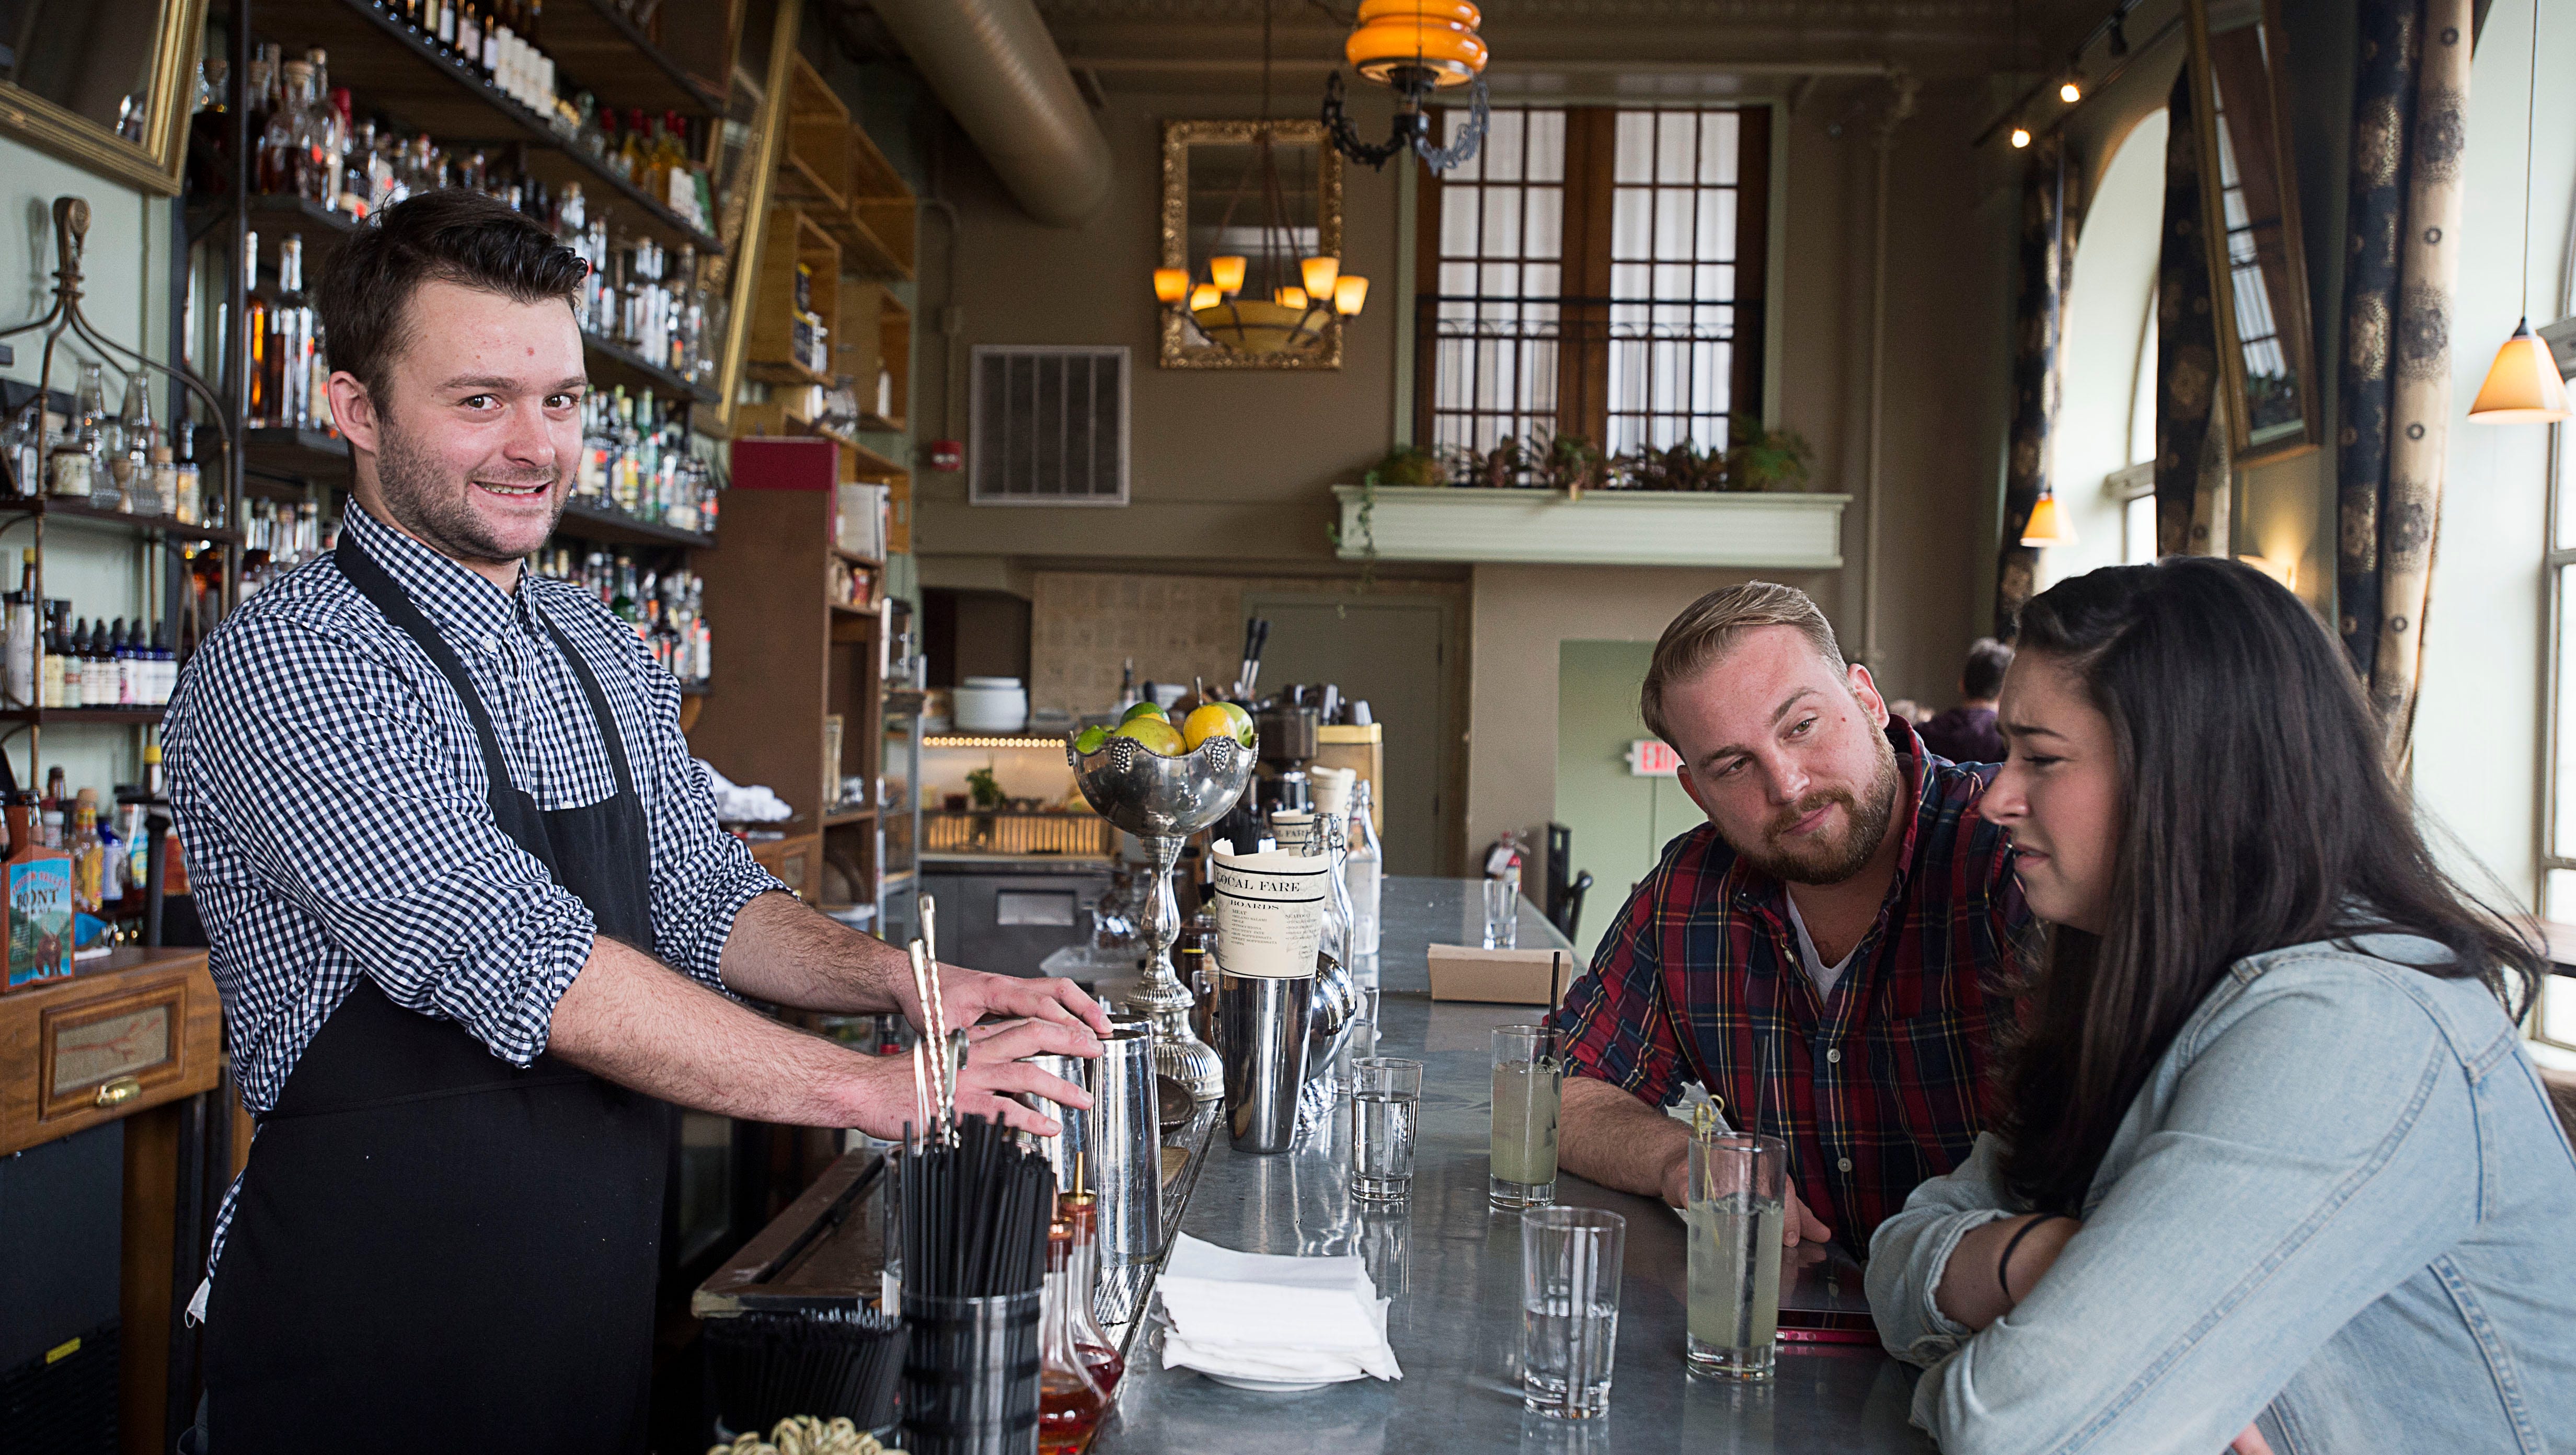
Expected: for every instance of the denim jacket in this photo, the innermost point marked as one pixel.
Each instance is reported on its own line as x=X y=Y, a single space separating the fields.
x=2341 y=1201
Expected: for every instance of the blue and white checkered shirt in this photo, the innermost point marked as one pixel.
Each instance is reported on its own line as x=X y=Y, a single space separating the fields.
x=333 y=801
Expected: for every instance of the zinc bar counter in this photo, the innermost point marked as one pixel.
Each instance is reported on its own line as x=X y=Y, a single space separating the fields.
x=1451 y=1268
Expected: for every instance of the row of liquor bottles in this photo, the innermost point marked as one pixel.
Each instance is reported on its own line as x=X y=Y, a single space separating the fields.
x=107 y=460
x=107 y=850
x=50 y=659
x=667 y=608
x=635 y=459
x=310 y=142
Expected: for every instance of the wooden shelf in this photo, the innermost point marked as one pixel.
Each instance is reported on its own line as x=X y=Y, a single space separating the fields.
x=838 y=817
x=855 y=559
x=844 y=609
x=794 y=238
x=616 y=527
x=381 y=59
x=589 y=39
x=53 y=716
x=625 y=366
x=92 y=517
x=882 y=208
x=782 y=372
x=870 y=465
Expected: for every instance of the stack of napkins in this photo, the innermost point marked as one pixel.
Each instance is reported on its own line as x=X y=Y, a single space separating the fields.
x=1264 y=1316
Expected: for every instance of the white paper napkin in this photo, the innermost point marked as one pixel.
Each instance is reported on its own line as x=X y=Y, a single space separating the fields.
x=1270 y=1316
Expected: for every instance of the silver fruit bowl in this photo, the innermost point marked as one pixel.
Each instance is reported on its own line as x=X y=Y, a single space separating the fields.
x=1163 y=801
x=1155 y=797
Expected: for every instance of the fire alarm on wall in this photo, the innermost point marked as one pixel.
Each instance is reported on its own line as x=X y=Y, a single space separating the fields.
x=947 y=455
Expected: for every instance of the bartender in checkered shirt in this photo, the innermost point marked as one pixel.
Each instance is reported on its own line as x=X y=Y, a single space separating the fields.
x=472 y=918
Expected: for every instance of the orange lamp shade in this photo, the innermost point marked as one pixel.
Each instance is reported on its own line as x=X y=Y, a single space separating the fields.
x=1319 y=274
x=1206 y=295
x=1226 y=273
x=1290 y=297
x=1171 y=285
x=2523 y=385
x=1435 y=36
x=1349 y=291
x=2047 y=525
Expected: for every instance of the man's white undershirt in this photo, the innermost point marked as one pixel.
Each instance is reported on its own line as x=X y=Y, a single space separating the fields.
x=1825 y=976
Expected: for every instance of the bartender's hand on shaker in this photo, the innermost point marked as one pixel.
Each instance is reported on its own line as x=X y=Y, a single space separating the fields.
x=1053 y=1015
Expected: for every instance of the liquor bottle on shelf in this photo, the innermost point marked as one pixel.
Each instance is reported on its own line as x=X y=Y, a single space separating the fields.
x=258 y=368
x=22 y=454
x=469 y=37
x=129 y=478
x=290 y=350
x=78 y=457
x=88 y=855
x=25 y=643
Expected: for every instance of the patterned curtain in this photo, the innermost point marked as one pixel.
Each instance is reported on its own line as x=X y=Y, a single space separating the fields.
x=2047 y=258
x=2186 y=353
x=2409 y=129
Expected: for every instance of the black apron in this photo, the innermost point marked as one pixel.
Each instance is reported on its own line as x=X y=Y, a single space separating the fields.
x=433 y=1250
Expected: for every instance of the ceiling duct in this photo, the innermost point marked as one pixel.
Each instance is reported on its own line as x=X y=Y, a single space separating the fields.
x=998 y=70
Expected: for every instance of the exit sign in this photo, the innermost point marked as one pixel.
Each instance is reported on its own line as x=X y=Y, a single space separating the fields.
x=1652 y=758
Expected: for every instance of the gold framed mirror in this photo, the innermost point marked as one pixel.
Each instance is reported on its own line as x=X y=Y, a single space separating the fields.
x=1219 y=201
x=2257 y=267
x=75 y=83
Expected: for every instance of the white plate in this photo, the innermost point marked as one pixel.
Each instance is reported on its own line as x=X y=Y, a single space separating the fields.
x=1273 y=1386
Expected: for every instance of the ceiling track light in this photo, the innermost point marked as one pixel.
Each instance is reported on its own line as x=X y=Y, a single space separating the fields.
x=2020 y=137
x=2071 y=90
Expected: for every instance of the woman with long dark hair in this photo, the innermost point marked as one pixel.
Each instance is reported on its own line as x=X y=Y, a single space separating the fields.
x=2268 y=1143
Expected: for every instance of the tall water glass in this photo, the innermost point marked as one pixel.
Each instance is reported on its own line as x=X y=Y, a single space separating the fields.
x=1528 y=1077
x=1735 y=1209
x=1386 y=1097
x=1569 y=1309
x=1502 y=914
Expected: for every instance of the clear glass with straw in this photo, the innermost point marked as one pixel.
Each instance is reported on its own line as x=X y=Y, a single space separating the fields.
x=1735 y=1205
x=1529 y=1080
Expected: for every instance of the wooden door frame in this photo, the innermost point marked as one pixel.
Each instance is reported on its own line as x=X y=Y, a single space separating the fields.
x=1450 y=836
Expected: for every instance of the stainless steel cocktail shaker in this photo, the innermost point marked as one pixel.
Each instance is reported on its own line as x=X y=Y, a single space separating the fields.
x=1070 y=1152
x=1126 y=1145
x=1262 y=1027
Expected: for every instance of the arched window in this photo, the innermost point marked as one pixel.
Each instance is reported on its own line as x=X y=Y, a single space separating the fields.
x=2103 y=456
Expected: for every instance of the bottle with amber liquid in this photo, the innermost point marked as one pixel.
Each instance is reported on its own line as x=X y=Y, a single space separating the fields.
x=1071 y=1399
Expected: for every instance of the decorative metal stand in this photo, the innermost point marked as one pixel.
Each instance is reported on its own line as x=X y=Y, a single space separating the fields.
x=1163 y=801
x=71 y=234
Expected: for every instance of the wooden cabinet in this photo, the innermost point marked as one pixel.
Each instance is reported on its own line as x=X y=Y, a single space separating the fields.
x=141 y=1030
x=797 y=860
x=802 y=657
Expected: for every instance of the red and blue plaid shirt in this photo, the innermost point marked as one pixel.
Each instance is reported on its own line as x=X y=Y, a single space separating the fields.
x=1876 y=1087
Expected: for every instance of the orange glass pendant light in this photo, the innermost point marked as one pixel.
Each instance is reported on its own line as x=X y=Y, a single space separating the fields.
x=1413 y=48
x=1171 y=285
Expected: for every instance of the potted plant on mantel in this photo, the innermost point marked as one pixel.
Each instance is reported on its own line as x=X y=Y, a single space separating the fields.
x=1464 y=504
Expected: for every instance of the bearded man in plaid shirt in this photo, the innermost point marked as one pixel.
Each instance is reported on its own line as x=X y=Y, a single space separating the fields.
x=1830 y=954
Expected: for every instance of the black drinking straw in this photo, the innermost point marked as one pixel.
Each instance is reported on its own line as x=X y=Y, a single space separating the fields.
x=975 y=1214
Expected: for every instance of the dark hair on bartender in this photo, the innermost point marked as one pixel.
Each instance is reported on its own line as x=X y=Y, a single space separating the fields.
x=2256 y=814
x=451 y=236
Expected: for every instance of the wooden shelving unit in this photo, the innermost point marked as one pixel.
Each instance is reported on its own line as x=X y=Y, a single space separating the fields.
x=794 y=238
x=763 y=722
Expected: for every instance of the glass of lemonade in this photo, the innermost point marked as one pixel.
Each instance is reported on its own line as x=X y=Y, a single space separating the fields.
x=1736 y=1205
x=1528 y=1075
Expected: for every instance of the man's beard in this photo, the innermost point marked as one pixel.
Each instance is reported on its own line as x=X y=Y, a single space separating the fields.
x=427 y=504
x=1831 y=862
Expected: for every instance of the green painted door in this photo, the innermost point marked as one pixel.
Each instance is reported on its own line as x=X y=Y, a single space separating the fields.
x=1620 y=822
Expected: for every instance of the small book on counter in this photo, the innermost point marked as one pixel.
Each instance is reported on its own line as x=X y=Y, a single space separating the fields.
x=1498 y=977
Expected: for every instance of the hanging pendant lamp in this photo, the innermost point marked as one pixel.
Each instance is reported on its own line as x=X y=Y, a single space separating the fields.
x=2047 y=525
x=1413 y=48
x=2523 y=384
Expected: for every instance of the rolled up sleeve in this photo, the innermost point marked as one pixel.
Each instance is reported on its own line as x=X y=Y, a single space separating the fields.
x=325 y=771
x=702 y=876
x=1910 y=1251
x=1614 y=1023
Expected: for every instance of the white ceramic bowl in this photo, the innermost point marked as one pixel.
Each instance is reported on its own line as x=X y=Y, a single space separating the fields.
x=990 y=705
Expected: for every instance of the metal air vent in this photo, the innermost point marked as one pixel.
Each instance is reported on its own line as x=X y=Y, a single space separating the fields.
x=1050 y=426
